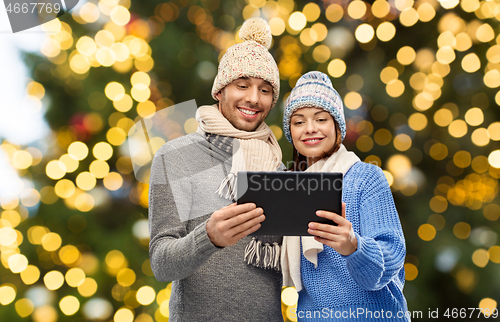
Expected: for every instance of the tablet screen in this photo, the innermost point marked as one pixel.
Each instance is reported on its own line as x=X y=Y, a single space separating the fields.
x=290 y=199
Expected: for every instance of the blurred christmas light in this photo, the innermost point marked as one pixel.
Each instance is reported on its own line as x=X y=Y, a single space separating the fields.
x=53 y=280
x=422 y=80
x=30 y=275
x=356 y=9
x=462 y=230
x=70 y=162
x=124 y=315
x=336 y=68
x=97 y=308
x=386 y=30
x=69 y=305
x=88 y=287
x=51 y=241
x=120 y=15
x=146 y=295
x=24 y=307
x=297 y=21
x=7 y=294
x=426 y=232
x=78 y=150
x=364 y=33
x=18 y=263
x=411 y=271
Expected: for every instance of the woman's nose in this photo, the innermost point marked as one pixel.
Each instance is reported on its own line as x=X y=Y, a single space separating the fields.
x=311 y=127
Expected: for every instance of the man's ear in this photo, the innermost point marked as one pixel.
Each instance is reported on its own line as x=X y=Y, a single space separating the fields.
x=218 y=95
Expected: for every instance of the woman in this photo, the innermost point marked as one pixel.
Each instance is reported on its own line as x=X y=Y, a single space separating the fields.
x=353 y=271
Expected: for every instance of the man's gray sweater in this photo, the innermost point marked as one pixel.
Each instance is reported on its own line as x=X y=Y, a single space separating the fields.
x=209 y=283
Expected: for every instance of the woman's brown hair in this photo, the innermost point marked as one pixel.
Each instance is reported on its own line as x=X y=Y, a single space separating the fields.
x=300 y=161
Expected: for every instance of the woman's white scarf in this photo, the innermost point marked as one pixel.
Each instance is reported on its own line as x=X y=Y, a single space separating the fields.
x=340 y=161
x=252 y=151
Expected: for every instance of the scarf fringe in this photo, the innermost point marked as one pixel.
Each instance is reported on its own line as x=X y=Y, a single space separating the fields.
x=263 y=255
x=227 y=188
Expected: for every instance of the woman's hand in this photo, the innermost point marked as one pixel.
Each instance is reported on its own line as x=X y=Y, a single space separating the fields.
x=341 y=237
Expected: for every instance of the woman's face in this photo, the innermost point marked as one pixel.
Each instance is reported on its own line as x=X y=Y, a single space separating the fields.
x=313 y=132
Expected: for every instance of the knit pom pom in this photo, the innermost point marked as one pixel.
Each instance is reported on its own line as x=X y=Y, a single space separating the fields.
x=257 y=29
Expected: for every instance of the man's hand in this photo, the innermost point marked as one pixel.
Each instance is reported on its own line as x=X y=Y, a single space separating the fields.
x=229 y=224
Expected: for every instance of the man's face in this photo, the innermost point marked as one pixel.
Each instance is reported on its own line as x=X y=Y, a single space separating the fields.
x=246 y=102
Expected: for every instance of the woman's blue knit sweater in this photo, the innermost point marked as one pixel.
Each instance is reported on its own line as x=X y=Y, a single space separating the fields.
x=368 y=284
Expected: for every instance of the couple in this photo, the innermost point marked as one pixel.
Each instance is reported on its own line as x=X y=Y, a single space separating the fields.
x=199 y=236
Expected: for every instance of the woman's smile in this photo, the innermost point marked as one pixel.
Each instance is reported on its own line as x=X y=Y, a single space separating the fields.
x=313 y=141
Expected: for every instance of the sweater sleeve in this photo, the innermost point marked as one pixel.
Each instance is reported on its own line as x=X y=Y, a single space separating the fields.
x=174 y=253
x=381 y=246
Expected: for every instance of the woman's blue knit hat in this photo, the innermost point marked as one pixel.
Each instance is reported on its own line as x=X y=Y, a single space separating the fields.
x=314 y=89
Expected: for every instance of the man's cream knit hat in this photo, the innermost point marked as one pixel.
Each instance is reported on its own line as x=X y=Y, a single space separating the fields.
x=250 y=58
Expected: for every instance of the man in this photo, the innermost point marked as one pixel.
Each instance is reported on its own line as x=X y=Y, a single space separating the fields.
x=199 y=236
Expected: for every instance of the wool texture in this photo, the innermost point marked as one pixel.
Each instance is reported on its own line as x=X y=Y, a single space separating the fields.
x=208 y=283
x=250 y=58
x=370 y=279
x=252 y=151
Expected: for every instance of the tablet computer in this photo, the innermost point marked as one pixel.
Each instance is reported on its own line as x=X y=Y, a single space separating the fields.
x=290 y=199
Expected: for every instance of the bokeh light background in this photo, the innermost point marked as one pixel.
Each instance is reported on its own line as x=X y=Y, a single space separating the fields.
x=420 y=82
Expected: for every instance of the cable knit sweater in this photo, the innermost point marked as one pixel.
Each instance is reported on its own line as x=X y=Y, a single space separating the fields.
x=209 y=283
x=368 y=284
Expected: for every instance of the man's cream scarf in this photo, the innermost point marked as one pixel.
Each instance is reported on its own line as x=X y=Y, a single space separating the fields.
x=252 y=151
x=340 y=161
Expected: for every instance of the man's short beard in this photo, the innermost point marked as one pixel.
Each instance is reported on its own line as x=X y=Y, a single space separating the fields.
x=235 y=125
